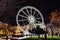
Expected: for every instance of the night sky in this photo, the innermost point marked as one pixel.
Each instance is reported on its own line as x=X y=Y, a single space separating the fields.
x=9 y=8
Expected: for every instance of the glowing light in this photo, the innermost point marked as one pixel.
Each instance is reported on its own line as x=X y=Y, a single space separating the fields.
x=31 y=19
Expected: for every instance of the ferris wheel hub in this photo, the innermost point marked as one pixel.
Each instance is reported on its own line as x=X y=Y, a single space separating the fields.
x=31 y=19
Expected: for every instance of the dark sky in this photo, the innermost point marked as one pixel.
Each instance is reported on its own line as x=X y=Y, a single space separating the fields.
x=9 y=8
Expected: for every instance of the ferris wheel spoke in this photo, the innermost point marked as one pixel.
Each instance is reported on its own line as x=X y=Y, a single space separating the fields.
x=22 y=16
x=25 y=13
x=22 y=20
x=38 y=21
x=31 y=11
x=37 y=18
x=26 y=22
x=34 y=13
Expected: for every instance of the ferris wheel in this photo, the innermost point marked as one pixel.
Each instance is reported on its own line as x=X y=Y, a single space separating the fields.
x=30 y=16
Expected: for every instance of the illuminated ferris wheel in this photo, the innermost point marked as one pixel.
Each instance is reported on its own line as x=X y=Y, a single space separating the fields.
x=31 y=16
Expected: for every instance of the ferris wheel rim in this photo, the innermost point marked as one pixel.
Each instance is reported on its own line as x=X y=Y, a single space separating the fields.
x=32 y=8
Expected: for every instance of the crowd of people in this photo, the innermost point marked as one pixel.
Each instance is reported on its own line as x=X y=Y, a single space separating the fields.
x=53 y=31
